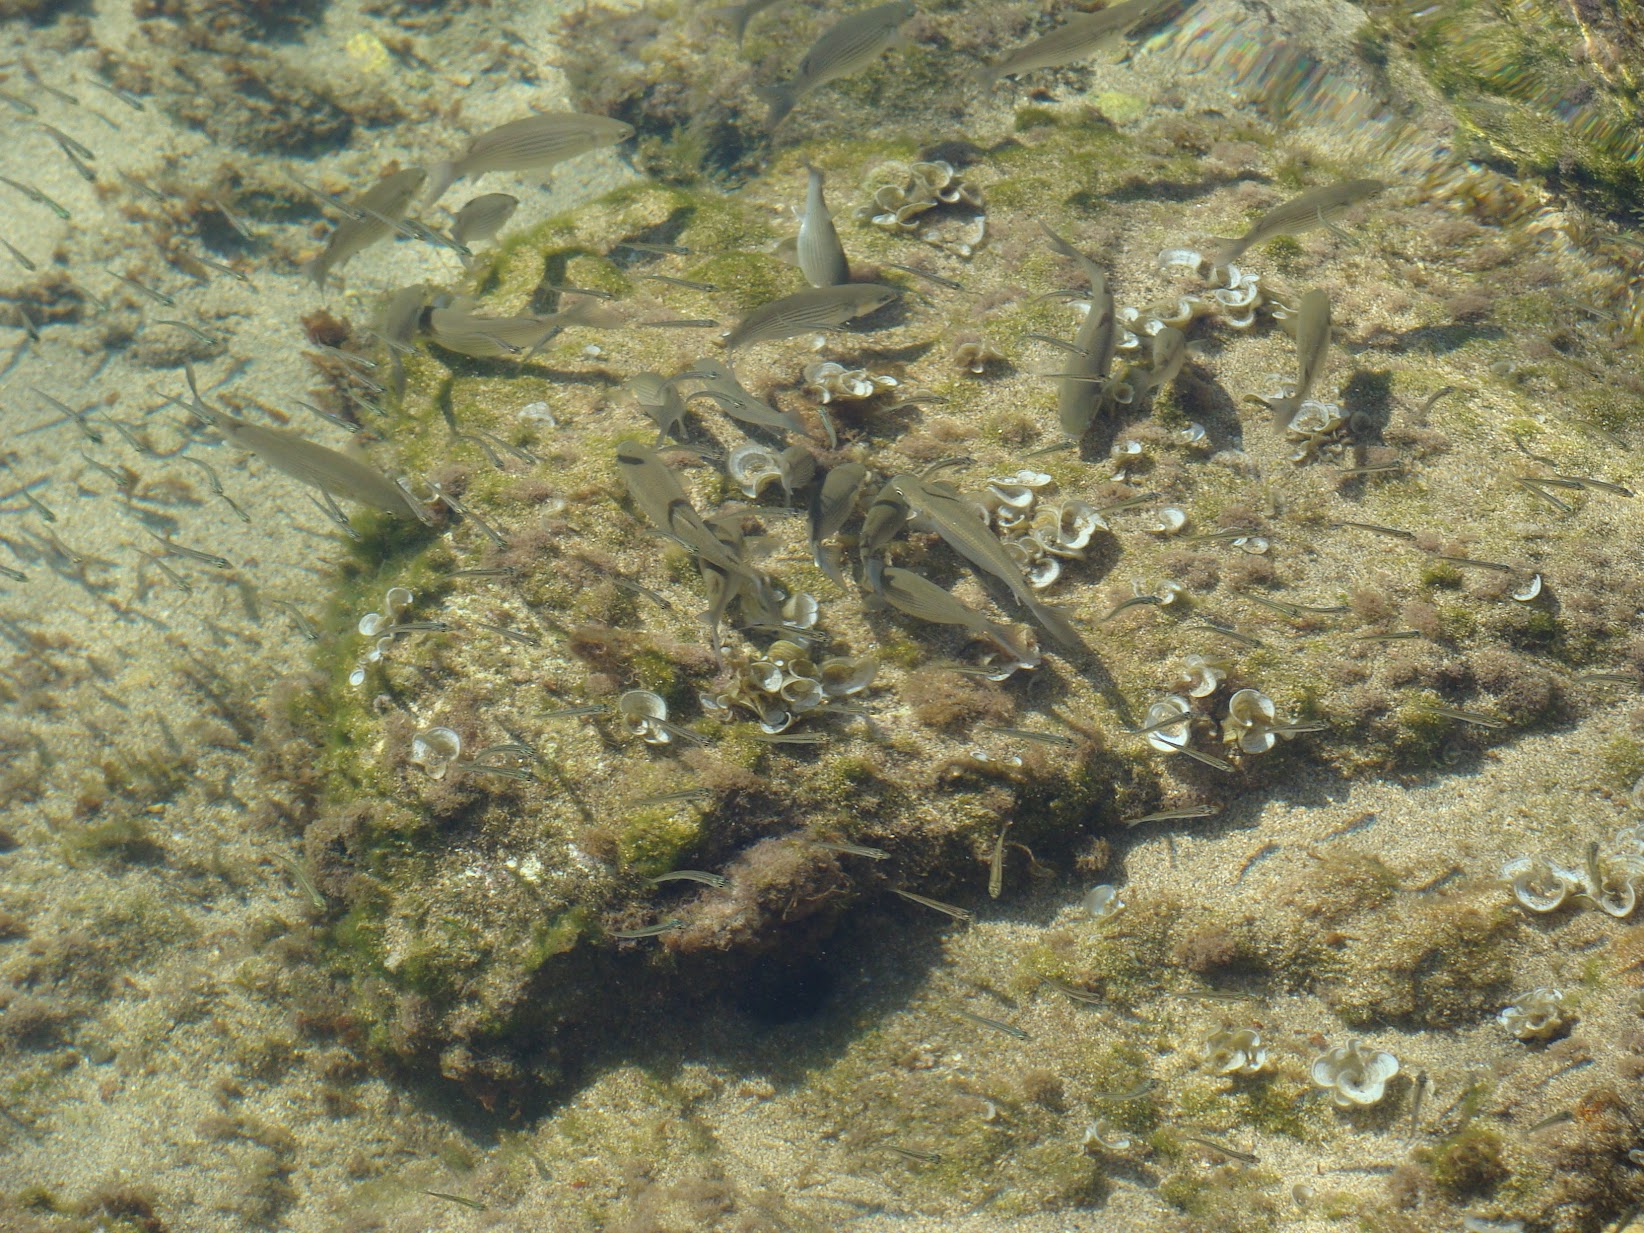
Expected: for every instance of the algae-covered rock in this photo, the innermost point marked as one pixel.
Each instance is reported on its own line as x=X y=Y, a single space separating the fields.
x=1414 y=568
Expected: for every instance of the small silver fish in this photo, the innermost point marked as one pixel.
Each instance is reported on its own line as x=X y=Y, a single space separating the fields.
x=1082 y=392
x=817 y=308
x=1076 y=39
x=956 y=522
x=1315 y=208
x=1312 y=351
x=821 y=256
x=740 y=15
x=482 y=217
x=535 y=142
x=387 y=201
x=919 y=597
x=457 y=329
x=332 y=472
x=721 y=385
x=846 y=47
x=1169 y=354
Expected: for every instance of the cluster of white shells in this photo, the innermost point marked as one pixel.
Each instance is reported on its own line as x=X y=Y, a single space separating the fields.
x=1606 y=880
x=1354 y=1074
x=782 y=684
x=380 y=626
x=1235 y=297
x=830 y=381
x=900 y=207
x=1250 y=721
x=1537 y=1015
x=1234 y=1051
x=1039 y=534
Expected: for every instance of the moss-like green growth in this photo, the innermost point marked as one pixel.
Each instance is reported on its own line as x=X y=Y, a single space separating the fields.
x=116 y=840
x=1469 y=1163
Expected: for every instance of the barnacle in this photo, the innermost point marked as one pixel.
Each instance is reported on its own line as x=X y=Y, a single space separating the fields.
x=1609 y=879
x=380 y=627
x=1538 y=884
x=1354 y=1075
x=1250 y=721
x=1172 y=519
x=1536 y=1015
x=1234 y=1051
x=645 y=715
x=1102 y=902
x=753 y=467
x=1169 y=737
x=928 y=186
x=828 y=381
x=436 y=750
x=1201 y=675
x=973 y=355
x=783 y=684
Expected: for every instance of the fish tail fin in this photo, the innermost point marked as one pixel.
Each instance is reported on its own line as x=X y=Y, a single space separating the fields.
x=1058 y=626
x=1283 y=410
x=318 y=270
x=441 y=176
x=781 y=100
x=1228 y=250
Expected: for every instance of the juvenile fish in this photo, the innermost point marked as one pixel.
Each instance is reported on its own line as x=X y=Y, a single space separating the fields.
x=482 y=217
x=1007 y=1028
x=720 y=384
x=1041 y=738
x=36 y=196
x=387 y=201
x=1312 y=352
x=919 y=597
x=1077 y=39
x=649 y=931
x=938 y=279
x=821 y=256
x=1082 y=391
x=967 y=535
x=468 y=333
x=818 y=308
x=1169 y=354
x=740 y=15
x=522 y=145
x=1315 y=208
x=331 y=471
x=1170 y=815
x=852 y=849
x=846 y=47
x=936 y=905
x=20 y=257
x=717 y=880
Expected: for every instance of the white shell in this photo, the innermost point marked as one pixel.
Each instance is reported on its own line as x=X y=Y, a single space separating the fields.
x=1102 y=902
x=396 y=600
x=373 y=623
x=753 y=468
x=1250 y=717
x=1356 y=1076
x=1234 y=1051
x=1193 y=435
x=1255 y=545
x=1166 y=739
x=1044 y=572
x=1172 y=519
x=1201 y=676
x=1536 y=1015
x=800 y=610
x=434 y=749
x=1538 y=884
x=645 y=713
x=1315 y=419
x=842 y=677
x=1180 y=260
x=1529 y=591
